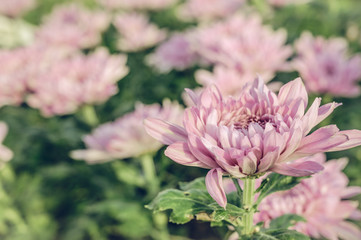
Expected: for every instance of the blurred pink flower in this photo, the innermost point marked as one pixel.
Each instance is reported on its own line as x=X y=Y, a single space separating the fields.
x=137 y=4
x=325 y=66
x=250 y=135
x=136 y=32
x=76 y=81
x=206 y=10
x=175 y=53
x=12 y=78
x=5 y=153
x=20 y=67
x=73 y=25
x=229 y=81
x=15 y=8
x=246 y=45
x=321 y=200
x=126 y=136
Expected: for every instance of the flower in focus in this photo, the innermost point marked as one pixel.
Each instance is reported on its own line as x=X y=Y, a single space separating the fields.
x=246 y=45
x=15 y=8
x=175 y=53
x=126 y=136
x=136 y=33
x=321 y=200
x=79 y=27
x=5 y=153
x=77 y=80
x=137 y=4
x=255 y=133
x=206 y=10
x=325 y=66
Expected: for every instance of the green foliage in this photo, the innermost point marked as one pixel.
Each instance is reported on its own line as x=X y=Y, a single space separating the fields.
x=285 y=221
x=276 y=182
x=280 y=234
x=193 y=201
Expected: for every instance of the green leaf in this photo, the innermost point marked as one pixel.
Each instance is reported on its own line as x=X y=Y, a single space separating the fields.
x=278 y=234
x=193 y=201
x=276 y=182
x=286 y=221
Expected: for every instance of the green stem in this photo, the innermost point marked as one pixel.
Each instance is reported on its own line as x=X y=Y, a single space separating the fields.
x=150 y=176
x=248 y=201
x=89 y=115
x=239 y=189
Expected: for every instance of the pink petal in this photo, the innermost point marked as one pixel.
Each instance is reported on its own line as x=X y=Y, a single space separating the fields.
x=192 y=95
x=353 y=140
x=309 y=120
x=268 y=160
x=215 y=186
x=297 y=169
x=165 y=132
x=322 y=140
x=325 y=110
x=180 y=153
x=201 y=151
x=293 y=91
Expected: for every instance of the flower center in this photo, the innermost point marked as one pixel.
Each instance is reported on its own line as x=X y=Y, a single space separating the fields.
x=243 y=121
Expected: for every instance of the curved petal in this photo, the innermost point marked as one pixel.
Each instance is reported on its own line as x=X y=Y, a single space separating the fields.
x=292 y=91
x=321 y=140
x=353 y=140
x=92 y=156
x=214 y=186
x=165 y=132
x=180 y=153
x=199 y=148
x=297 y=169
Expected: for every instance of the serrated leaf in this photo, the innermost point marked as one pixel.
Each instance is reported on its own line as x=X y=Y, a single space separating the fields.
x=277 y=182
x=279 y=234
x=286 y=221
x=193 y=201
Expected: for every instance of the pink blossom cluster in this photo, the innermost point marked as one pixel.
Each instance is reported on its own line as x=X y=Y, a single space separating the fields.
x=79 y=80
x=15 y=8
x=5 y=153
x=321 y=200
x=175 y=53
x=136 y=32
x=126 y=137
x=240 y=47
x=73 y=25
x=137 y=4
x=326 y=67
x=58 y=80
x=254 y=133
x=243 y=43
x=206 y=10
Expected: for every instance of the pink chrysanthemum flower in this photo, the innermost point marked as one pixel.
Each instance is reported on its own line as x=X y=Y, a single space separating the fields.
x=175 y=53
x=206 y=10
x=321 y=200
x=15 y=8
x=76 y=81
x=256 y=133
x=325 y=66
x=73 y=25
x=136 y=32
x=20 y=67
x=137 y=4
x=126 y=137
x=243 y=43
x=5 y=153
x=229 y=81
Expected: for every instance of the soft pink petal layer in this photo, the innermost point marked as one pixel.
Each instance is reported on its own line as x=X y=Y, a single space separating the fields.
x=297 y=169
x=180 y=153
x=353 y=140
x=165 y=132
x=215 y=186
